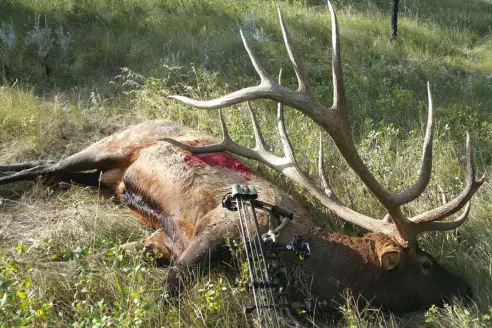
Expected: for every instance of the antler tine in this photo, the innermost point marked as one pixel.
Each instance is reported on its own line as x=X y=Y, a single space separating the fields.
x=446 y=225
x=296 y=63
x=225 y=132
x=457 y=203
x=426 y=167
x=284 y=138
x=339 y=101
x=256 y=64
x=217 y=147
x=224 y=145
x=260 y=141
x=321 y=170
x=227 y=144
x=287 y=146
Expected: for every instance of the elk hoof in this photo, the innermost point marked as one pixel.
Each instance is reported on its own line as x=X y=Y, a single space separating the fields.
x=155 y=256
x=131 y=246
x=173 y=282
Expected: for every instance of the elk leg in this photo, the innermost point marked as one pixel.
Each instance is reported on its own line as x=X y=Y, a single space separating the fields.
x=84 y=178
x=69 y=168
x=24 y=166
x=32 y=169
x=26 y=174
x=156 y=248
x=203 y=254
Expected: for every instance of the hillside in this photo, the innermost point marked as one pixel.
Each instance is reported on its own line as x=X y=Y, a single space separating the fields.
x=73 y=72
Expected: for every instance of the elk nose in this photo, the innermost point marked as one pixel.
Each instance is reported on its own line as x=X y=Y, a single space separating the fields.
x=466 y=295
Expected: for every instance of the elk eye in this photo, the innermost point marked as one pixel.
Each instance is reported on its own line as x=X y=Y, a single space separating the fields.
x=426 y=267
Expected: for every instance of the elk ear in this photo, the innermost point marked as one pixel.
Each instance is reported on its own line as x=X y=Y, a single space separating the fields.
x=388 y=251
x=390 y=259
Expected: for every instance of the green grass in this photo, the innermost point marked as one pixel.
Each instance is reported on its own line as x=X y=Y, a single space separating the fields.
x=56 y=102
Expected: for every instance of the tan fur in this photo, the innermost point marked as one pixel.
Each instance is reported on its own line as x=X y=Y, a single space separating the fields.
x=112 y=178
x=147 y=220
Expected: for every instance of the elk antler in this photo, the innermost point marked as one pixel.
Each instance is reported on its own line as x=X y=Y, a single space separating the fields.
x=334 y=120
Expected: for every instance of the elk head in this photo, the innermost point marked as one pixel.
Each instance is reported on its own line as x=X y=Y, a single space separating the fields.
x=395 y=236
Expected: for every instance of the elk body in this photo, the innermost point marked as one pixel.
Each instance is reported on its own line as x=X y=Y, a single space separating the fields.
x=174 y=178
x=179 y=194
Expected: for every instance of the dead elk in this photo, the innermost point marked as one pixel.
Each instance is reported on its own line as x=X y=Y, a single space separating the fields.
x=174 y=178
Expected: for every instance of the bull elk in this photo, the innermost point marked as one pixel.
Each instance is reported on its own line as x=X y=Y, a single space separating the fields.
x=174 y=178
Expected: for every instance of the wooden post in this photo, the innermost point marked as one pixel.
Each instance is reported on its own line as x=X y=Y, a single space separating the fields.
x=394 y=19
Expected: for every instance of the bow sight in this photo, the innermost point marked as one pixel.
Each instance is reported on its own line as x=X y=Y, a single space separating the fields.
x=267 y=273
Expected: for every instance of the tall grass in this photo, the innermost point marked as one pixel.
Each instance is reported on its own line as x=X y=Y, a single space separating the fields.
x=74 y=71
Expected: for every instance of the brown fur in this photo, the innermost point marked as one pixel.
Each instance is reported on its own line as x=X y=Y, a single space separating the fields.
x=147 y=220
